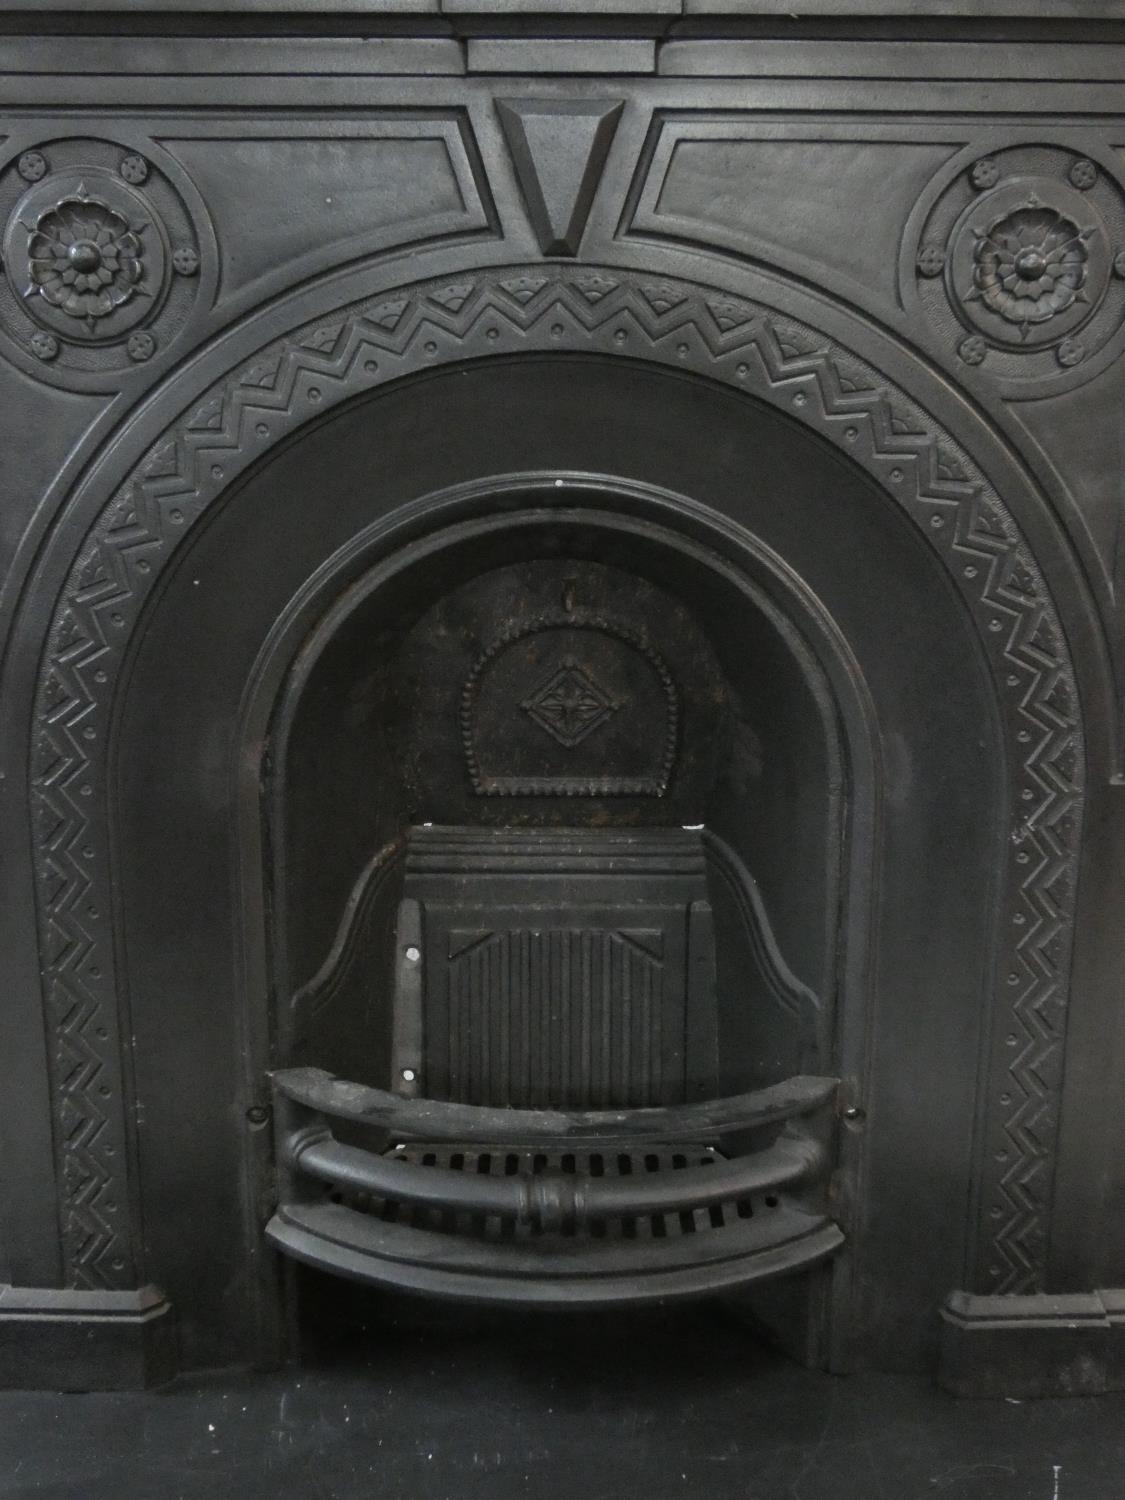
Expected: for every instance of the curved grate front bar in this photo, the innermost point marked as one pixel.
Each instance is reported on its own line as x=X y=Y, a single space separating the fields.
x=555 y=1208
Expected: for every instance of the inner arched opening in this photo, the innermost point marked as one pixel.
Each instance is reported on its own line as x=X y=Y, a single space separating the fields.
x=559 y=812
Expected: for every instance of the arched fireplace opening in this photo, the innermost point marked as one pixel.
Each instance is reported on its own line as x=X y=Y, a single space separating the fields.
x=843 y=754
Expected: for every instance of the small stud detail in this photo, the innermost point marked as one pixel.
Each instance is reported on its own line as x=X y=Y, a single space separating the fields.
x=931 y=260
x=134 y=169
x=1083 y=174
x=32 y=165
x=141 y=346
x=984 y=173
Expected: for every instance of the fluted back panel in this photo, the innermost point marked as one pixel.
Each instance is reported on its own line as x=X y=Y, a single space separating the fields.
x=544 y=1016
x=557 y=968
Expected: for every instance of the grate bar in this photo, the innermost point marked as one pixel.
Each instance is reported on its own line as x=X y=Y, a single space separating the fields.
x=503 y=1162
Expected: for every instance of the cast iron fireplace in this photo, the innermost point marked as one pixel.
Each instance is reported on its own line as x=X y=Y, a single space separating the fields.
x=561 y=744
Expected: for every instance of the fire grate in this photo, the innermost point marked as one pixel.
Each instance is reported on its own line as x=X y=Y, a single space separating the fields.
x=553 y=1208
x=502 y=1161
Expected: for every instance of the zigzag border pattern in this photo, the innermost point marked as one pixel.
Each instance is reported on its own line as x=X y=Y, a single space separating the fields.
x=607 y=311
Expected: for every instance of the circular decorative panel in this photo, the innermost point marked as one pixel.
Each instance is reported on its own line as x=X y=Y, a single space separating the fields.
x=87 y=255
x=102 y=261
x=1018 y=261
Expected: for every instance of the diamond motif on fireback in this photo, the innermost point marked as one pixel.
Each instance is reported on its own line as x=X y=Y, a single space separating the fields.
x=569 y=705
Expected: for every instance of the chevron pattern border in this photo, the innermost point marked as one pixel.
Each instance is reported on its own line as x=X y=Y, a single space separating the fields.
x=604 y=310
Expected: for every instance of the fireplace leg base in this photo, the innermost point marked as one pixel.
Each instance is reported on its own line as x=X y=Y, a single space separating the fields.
x=65 y=1340
x=1042 y=1345
x=790 y=1313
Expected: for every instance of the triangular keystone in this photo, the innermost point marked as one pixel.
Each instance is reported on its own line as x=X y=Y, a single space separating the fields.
x=559 y=148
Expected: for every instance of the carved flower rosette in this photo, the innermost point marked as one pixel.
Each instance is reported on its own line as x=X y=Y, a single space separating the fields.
x=1019 y=272
x=1030 y=266
x=1027 y=265
x=86 y=259
x=86 y=256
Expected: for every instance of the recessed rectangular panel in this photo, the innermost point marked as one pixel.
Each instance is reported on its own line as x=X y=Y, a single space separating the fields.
x=324 y=198
x=787 y=195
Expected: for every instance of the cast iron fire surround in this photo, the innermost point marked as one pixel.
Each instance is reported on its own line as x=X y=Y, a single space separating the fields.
x=296 y=307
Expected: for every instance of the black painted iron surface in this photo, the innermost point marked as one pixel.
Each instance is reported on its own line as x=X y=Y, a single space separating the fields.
x=400 y=415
